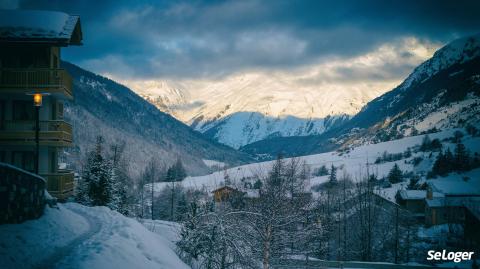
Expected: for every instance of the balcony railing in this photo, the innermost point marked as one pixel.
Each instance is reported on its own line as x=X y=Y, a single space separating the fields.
x=60 y=184
x=31 y=79
x=52 y=132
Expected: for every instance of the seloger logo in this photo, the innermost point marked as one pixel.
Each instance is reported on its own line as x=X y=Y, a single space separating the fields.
x=449 y=256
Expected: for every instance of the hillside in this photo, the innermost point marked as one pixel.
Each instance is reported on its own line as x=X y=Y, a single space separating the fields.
x=447 y=84
x=104 y=107
x=441 y=93
x=353 y=162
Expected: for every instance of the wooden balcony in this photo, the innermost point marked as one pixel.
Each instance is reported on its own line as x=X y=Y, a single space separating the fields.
x=25 y=80
x=60 y=185
x=57 y=133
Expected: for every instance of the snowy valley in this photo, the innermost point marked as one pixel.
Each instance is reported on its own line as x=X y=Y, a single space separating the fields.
x=200 y=150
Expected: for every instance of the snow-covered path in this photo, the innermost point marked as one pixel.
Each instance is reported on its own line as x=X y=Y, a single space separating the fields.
x=79 y=237
x=61 y=253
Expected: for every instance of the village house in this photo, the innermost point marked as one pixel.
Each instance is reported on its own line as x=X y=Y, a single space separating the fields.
x=223 y=194
x=457 y=196
x=414 y=201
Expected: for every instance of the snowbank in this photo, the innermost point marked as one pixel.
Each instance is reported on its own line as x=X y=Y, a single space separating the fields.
x=26 y=244
x=101 y=239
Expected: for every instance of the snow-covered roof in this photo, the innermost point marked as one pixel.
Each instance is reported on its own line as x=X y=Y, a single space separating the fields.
x=417 y=194
x=452 y=201
x=457 y=187
x=413 y=194
x=224 y=188
x=40 y=26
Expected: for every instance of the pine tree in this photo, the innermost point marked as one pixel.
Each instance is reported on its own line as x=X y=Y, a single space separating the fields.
x=449 y=160
x=96 y=177
x=425 y=143
x=440 y=167
x=333 y=174
x=121 y=184
x=258 y=184
x=82 y=190
x=322 y=171
x=181 y=174
x=461 y=158
x=395 y=175
x=457 y=137
x=176 y=172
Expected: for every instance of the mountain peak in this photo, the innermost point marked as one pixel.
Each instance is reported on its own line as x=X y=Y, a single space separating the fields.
x=458 y=51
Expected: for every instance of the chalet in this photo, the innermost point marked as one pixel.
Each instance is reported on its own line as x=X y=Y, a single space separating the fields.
x=225 y=193
x=33 y=89
x=414 y=201
x=452 y=206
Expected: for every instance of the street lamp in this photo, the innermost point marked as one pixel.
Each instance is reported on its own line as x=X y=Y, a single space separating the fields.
x=37 y=103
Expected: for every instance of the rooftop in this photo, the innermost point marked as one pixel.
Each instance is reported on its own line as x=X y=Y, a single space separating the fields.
x=417 y=194
x=40 y=27
x=453 y=202
x=456 y=187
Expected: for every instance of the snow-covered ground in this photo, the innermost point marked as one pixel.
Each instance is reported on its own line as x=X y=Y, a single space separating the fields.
x=75 y=236
x=353 y=162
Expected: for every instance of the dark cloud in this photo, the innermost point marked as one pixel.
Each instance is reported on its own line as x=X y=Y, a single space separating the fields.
x=152 y=39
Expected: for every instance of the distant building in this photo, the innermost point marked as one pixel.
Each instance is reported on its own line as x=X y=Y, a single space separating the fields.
x=414 y=201
x=225 y=193
x=457 y=195
x=30 y=55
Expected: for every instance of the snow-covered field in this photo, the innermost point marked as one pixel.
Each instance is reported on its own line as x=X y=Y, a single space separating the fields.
x=75 y=236
x=353 y=162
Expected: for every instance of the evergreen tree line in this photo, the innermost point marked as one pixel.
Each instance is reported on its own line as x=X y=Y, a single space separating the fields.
x=391 y=157
x=105 y=179
x=459 y=161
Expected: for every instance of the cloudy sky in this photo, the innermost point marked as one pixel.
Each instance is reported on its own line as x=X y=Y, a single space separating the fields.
x=207 y=40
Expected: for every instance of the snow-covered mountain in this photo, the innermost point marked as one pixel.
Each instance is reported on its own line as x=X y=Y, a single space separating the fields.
x=441 y=93
x=167 y=96
x=245 y=108
x=104 y=107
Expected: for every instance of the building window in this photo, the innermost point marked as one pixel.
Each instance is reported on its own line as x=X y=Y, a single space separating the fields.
x=23 y=110
x=24 y=160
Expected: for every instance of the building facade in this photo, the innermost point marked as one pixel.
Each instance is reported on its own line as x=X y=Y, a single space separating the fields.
x=33 y=89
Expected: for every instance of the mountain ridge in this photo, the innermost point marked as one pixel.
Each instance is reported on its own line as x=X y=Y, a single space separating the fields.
x=103 y=107
x=442 y=92
x=242 y=109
